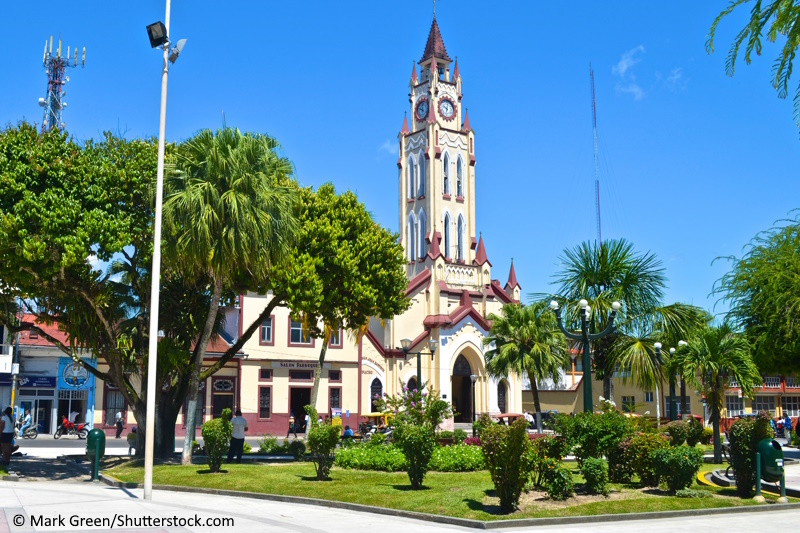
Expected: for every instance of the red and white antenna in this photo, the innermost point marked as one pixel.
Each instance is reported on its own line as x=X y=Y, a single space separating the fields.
x=596 y=165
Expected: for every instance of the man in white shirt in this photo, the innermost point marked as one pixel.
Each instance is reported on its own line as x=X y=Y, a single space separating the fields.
x=73 y=416
x=237 y=439
x=118 y=423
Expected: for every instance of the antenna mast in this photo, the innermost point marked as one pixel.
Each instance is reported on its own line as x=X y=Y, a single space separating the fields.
x=596 y=166
x=55 y=66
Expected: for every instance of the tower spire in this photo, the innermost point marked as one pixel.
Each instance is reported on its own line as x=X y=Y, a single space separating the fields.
x=435 y=45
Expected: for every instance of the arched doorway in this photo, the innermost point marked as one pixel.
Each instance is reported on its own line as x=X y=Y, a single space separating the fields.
x=502 y=396
x=412 y=383
x=375 y=393
x=462 y=390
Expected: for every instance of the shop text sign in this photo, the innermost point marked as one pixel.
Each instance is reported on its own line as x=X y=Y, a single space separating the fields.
x=37 y=381
x=293 y=364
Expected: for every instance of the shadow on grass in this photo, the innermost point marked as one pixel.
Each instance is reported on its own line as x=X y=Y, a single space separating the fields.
x=208 y=471
x=407 y=488
x=476 y=505
x=313 y=478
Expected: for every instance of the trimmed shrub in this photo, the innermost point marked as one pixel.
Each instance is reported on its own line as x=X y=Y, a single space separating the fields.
x=593 y=435
x=677 y=432
x=246 y=448
x=543 y=447
x=457 y=458
x=417 y=443
x=505 y=449
x=472 y=441
x=706 y=436
x=297 y=449
x=377 y=439
x=691 y=493
x=745 y=435
x=620 y=462
x=641 y=448
x=595 y=472
x=677 y=465
x=217 y=439
x=694 y=432
x=483 y=421
x=557 y=480
x=365 y=457
x=322 y=440
x=460 y=435
x=267 y=445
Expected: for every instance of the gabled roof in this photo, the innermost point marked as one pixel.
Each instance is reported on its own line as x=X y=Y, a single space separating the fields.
x=435 y=46
x=418 y=281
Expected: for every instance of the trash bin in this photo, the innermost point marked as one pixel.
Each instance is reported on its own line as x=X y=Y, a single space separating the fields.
x=771 y=460
x=95 y=438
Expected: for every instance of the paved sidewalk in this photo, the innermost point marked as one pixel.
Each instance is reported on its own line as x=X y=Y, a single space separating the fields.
x=23 y=502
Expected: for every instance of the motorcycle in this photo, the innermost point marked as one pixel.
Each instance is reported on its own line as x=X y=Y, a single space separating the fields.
x=70 y=428
x=31 y=432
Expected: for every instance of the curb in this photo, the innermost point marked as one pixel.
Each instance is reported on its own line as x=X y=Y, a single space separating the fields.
x=454 y=521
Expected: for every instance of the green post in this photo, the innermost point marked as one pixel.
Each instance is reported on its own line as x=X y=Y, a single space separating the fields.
x=96 y=460
x=783 y=485
x=758 y=497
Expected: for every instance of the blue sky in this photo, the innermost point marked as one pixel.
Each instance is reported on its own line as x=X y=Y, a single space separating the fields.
x=692 y=163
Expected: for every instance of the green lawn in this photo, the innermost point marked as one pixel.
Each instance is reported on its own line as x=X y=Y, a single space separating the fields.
x=467 y=495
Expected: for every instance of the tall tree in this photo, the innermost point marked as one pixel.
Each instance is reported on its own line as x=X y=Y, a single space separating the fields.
x=777 y=18
x=525 y=339
x=345 y=269
x=763 y=291
x=227 y=221
x=709 y=360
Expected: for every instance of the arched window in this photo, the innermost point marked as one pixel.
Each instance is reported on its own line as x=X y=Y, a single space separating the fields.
x=501 y=397
x=459 y=178
x=421 y=179
x=410 y=176
x=460 y=238
x=412 y=383
x=446 y=228
x=411 y=239
x=422 y=222
x=446 y=174
x=375 y=393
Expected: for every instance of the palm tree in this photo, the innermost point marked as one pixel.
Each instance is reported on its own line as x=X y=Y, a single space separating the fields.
x=229 y=216
x=613 y=271
x=526 y=339
x=709 y=359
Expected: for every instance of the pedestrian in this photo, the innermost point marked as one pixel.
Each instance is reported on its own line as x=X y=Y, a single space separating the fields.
x=237 y=439
x=787 y=428
x=131 y=438
x=306 y=423
x=73 y=416
x=6 y=434
x=291 y=429
x=26 y=422
x=118 y=423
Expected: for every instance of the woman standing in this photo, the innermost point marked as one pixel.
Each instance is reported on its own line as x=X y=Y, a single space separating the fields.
x=6 y=434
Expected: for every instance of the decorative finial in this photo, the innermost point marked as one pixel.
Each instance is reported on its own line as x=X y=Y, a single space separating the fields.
x=434 y=8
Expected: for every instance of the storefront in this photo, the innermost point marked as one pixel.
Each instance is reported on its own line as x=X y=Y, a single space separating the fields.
x=37 y=396
x=75 y=391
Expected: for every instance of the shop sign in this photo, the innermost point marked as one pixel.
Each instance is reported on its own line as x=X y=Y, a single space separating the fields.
x=73 y=376
x=293 y=364
x=48 y=382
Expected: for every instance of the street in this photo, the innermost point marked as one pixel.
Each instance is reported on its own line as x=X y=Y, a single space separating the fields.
x=47 y=446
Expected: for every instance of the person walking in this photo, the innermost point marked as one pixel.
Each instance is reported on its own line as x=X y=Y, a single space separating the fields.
x=787 y=428
x=6 y=434
x=131 y=438
x=118 y=423
x=237 y=439
x=291 y=429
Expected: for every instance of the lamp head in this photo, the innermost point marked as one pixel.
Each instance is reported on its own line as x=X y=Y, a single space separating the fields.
x=616 y=306
x=657 y=345
x=406 y=344
x=432 y=345
x=682 y=343
x=176 y=50
x=473 y=377
x=157 y=33
x=583 y=303
x=672 y=351
x=553 y=303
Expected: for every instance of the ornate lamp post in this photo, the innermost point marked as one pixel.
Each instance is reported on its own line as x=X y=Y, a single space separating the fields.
x=432 y=345
x=474 y=378
x=673 y=406
x=585 y=337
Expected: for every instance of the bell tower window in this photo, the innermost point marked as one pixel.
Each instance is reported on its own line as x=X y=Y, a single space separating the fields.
x=446 y=174
x=411 y=237
x=410 y=176
x=459 y=179
x=460 y=237
x=446 y=228
x=421 y=222
x=421 y=188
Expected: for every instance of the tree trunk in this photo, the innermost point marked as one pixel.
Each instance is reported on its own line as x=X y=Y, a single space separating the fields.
x=684 y=410
x=197 y=366
x=318 y=372
x=536 y=405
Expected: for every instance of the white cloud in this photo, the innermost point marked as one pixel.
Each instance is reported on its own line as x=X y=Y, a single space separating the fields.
x=624 y=71
x=388 y=146
x=675 y=80
x=95 y=263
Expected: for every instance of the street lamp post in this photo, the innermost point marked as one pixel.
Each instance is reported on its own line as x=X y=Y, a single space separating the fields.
x=474 y=378
x=585 y=337
x=432 y=345
x=673 y=408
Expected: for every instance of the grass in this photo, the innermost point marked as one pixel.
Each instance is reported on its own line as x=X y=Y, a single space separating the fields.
x=466 y=495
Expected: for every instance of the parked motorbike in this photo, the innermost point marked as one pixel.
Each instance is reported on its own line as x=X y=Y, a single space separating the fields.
x=69 y=428
x=31 y=432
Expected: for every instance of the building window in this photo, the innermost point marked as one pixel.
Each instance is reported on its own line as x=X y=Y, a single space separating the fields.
x=422 y=222
x=335 y=398
x=264 y=402
x=447 y=224
x=267 y=332
x=375 y=393
x=412 y=237
x=301 y=375
x=335 y=376
x=648 y=397
x=298 y=334
x=115 y=403
x=446 y=174
x=459 y=180
x=460 y=237
x=790 y=405
x=501 y=397
x=764 y=403
x=265 y=374
x=336 y=339
x=680 y=410
x=421 y=179
x=410 y=177
x=628 y=404
x=734 y=406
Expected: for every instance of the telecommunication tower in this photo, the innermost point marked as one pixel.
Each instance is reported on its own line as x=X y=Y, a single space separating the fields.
x=55 y=67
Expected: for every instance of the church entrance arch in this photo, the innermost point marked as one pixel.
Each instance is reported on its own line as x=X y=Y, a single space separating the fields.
x=462 y=389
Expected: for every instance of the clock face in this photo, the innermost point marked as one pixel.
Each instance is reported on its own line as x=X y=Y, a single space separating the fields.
x=422 y=110
x=447 y=109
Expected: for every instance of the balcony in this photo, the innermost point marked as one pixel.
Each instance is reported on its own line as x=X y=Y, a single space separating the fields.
x=791 y=382
x=772 y=382
x=467 y=276
x=733 y=383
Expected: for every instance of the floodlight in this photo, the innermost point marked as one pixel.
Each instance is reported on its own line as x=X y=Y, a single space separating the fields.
x=176 y=50
x=157 y=33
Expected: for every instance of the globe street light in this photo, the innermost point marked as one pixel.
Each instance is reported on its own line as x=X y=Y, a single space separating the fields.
x=585 y=337
x=474 y=378
x=406 y=344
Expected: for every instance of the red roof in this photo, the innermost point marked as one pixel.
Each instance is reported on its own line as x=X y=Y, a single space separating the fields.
x=435 y=46
x=512 y=278
x=405 y=125
x=456 y=74
x=480 y=254
x=435 y=250
x=413 y=74
x=28 y=338
x=466 y=126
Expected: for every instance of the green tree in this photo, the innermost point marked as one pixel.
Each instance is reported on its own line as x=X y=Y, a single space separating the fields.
x=345 y=269
x=763 y=291
x=709 y=360
x=227 y=220
x=526 y=339
x=613 y=271
x=777 y=18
